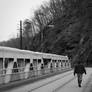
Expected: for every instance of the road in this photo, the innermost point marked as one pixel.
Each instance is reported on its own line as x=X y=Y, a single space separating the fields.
x=65 y=82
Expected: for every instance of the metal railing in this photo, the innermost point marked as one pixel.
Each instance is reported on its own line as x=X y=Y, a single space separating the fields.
x=20 y=74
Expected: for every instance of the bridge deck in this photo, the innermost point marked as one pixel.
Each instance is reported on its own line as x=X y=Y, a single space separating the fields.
x=64 y=82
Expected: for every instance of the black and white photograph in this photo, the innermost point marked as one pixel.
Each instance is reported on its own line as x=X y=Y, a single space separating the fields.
x=45 y=45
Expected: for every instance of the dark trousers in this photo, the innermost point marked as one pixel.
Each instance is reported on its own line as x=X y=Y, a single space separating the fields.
x=79 y=76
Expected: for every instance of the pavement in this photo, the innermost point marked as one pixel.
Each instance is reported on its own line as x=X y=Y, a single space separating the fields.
x=20 y=83
x=63 y=82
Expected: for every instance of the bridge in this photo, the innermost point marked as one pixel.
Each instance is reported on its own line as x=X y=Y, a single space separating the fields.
x=61 y=82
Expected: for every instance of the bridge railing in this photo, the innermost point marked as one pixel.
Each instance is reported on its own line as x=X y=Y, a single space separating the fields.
x=20 y=74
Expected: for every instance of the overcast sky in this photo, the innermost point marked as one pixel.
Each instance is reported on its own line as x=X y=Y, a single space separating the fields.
x=11 y=12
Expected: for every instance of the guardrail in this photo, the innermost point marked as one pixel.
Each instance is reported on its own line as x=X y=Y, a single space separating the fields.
x=19 y=74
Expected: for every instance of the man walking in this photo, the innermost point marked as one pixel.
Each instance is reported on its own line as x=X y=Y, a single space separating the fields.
x=79 y=69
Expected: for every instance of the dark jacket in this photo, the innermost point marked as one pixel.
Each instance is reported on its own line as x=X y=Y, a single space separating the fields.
x=79 y=69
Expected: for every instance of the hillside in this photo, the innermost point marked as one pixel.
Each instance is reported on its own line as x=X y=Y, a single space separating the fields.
x=71 y=34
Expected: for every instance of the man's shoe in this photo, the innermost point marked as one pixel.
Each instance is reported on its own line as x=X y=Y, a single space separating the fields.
x=79 y=85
